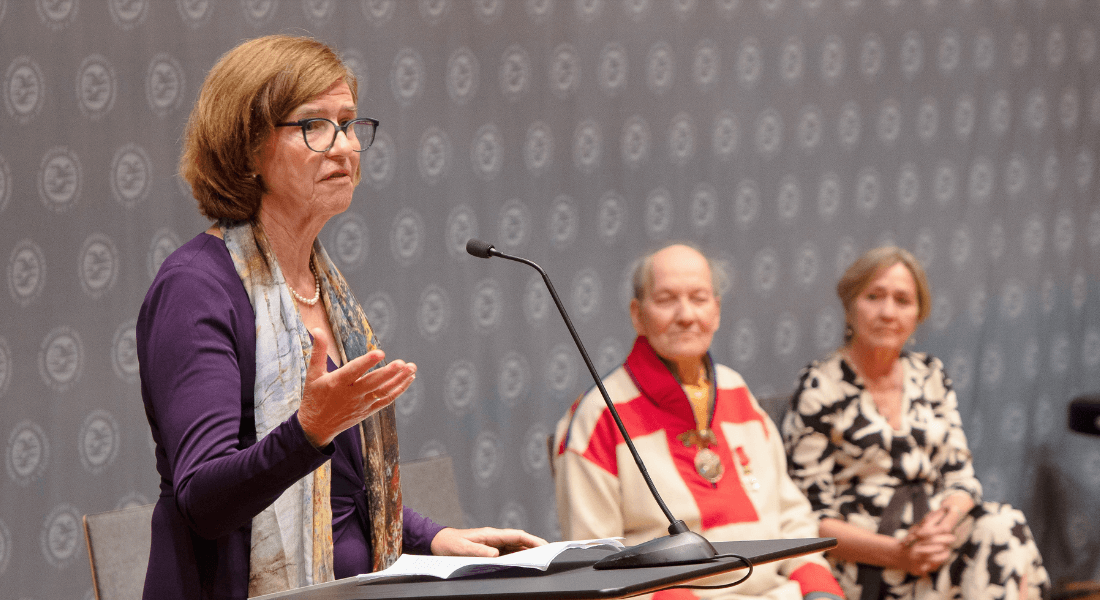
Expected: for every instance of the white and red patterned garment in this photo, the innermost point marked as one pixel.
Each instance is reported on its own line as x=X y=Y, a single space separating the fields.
x=601 y=493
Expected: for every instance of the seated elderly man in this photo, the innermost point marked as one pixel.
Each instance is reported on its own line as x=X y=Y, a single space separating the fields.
x=715 y=456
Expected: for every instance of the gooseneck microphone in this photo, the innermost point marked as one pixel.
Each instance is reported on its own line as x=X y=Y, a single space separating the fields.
x=681 y=546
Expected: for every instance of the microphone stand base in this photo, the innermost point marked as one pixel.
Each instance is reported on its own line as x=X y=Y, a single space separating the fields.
x=677 y=549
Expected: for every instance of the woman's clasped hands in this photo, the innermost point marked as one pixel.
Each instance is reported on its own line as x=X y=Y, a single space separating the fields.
x=333 y=402
x=928 y=543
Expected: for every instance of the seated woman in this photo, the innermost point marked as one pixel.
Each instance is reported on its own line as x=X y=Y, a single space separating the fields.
x=875 y=441
x=272 y=409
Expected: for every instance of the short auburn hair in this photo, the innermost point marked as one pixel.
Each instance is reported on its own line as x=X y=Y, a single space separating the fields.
x=251 y=88
x=873 y=262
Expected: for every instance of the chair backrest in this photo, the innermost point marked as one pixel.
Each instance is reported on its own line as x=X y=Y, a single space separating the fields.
x=118 y=550
x=428 y=486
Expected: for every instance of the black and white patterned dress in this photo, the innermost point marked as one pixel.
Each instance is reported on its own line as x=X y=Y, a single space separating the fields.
x=849 y=461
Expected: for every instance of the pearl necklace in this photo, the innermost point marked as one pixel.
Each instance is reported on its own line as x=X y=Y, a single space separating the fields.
x=316 y=289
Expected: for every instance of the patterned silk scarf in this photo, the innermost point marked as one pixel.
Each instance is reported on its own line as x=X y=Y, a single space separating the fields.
x=292 y=538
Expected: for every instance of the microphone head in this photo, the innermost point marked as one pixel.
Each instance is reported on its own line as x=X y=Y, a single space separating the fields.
x=479 y=248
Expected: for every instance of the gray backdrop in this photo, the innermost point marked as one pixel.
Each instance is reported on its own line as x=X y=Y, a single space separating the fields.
x=784 y=136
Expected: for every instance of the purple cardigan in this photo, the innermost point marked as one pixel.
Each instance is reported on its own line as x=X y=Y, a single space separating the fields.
x=196 y=340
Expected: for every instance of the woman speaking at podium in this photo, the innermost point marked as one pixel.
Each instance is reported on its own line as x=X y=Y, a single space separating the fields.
x=269 y=400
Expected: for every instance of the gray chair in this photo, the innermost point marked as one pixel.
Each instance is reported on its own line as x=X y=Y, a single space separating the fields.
x=428 y=486
x=118 y=550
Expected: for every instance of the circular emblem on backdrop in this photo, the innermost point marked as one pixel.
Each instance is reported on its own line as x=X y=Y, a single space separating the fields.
x=1094 y=229
x=981 y=180
x=1083 y=168
x=807 y=263
x=461 y=226
x=908 y=186
x=164 y=242
x=487 y=305
x=992 y=365
x=924 y=248
x=889 y=122
x=1035 y=110
x=462 y=75
x=1063 y=233
x=561 y=368
x=786 y=335
x=563 y=222
x=434 y=312
x=985 y=50
x=461 y=391
x=944 y=183
x=912 y=54
x=514 y=223
x=809 y=128
x=658 y=214
x=5 y=533
x=515 y=73
x=486 y=458
x=706 y=66
x=1069 y=108
x=26 y=272
x=381 y=314
x=131 y=500
x=612 y=72
x=1060 y=350
x=124 y=357
x=61 y=358
x=164 y=82
x=743 y=342
x=611 y=217
x=746 y=203
x=6 y=366
x=60 y=537
x=868 y=190
x=513 y=515
x=379 y=161
x=959 y=367
x=750 y=62
x=1020 y=48
x=1016 y=175
x=259 y=12
x=1013 y=299
x=828 y=329
x=407 y=237
x=60 y=179
x=434 y=11
x=769 y=133
x=378 y=12
x=433 y=157
x=870 y=56
x=964 y=116
x=131 y=175
x=1078 y=289
x=356 y=62
x=1000 y=113
x=57 y=14
x=848 y=125
x=5 y=184
x=487 y=152
x=586 y=292
x=610 y=353
x=635 y=141
x=536 y=301
x=1086 y=45
x=95 y=86
x=587 y=145
x=128 y=14
x=1056 y=46
x=488 y=11
x=349 y=241
x=832 y=59
x=704 y=206
x=928 y=119
x=513 y=378
x=98 y=266
x=979 y=300
x=538 y=148
x=789 y=198
x=724 y=135
x=28 y=453
x=949 y=52
x=765 y=271
x=588 y=10
x=535 y=458
x=1031 y=360
x=196 y=13
x=1033 y=236
x=1090 y=349
x=409 y=402
x=681 y=139
x=565 y=73
x=319 y=12
x=828 y=195
x=98 y=441
x=407 y=76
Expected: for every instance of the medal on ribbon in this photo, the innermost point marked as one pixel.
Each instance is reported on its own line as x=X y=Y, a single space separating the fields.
x=707 y=462
x=746 y=467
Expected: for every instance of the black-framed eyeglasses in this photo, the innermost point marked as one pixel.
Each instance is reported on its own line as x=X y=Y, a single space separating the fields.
x=320 y=133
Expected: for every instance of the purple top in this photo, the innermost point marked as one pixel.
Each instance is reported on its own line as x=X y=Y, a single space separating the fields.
x=196 y=339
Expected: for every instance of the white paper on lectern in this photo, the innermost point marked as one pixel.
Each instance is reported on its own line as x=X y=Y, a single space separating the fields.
x=446 y=567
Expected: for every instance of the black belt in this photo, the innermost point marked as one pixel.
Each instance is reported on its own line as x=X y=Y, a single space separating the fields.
x=870 y=576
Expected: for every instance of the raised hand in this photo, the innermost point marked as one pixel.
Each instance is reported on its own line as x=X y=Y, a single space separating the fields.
x=333 y=402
